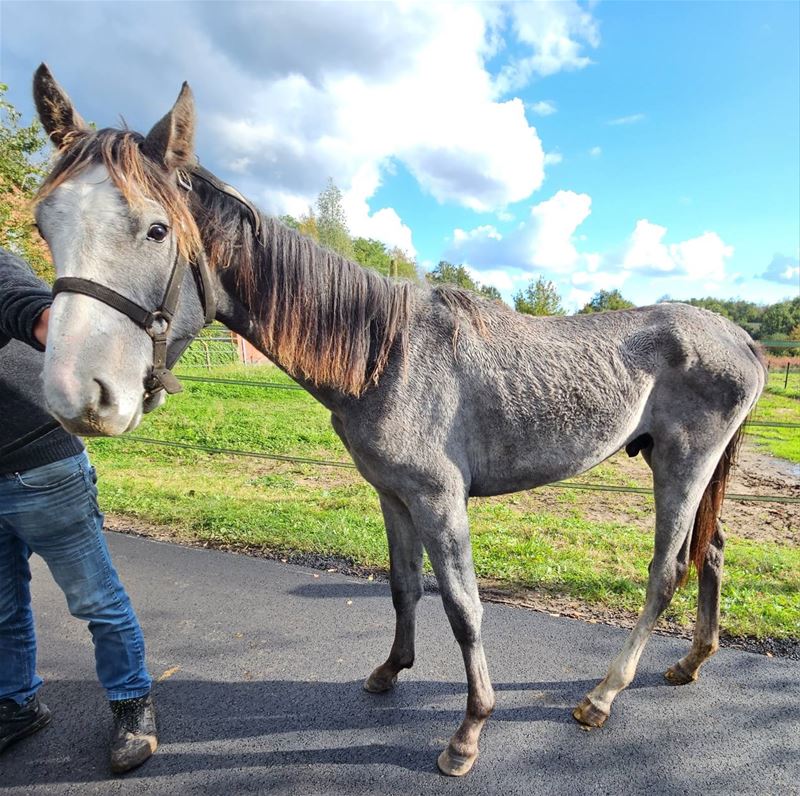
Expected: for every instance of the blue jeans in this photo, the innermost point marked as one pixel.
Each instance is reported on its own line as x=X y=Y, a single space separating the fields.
x=52 y=511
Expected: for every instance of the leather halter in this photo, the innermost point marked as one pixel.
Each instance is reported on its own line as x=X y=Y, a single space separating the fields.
x=156 y=323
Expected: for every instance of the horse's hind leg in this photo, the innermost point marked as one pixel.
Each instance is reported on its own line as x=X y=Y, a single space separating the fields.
x=405 y=557
x=678 y=481
x=442 y=524
x=706 y=632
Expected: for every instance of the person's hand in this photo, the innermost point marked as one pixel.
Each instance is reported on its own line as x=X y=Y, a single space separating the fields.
x=40 y=327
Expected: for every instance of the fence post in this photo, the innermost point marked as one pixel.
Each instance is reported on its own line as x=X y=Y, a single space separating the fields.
x=786 y=380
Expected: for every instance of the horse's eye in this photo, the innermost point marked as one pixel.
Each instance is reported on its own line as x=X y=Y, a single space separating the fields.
x=157 y=232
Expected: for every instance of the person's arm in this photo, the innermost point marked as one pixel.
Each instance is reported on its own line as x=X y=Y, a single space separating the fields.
x=24 y=302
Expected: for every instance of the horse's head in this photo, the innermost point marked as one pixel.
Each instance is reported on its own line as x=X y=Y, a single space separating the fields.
x=115 y=215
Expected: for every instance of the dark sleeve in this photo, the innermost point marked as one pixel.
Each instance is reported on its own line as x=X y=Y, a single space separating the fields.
x=23 y=298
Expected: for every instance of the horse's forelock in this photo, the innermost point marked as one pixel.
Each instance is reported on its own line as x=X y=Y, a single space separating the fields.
x=135 y=176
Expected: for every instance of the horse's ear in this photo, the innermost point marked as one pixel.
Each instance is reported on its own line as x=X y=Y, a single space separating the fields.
x=171 y=141
x=56 y=112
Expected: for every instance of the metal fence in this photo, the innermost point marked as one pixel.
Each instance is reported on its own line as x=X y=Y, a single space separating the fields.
x=215 y=348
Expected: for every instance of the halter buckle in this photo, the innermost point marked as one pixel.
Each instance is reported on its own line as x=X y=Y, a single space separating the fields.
x=157 y=325
x=162 y=379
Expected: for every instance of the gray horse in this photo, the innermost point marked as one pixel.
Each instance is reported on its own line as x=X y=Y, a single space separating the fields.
x=437 y=394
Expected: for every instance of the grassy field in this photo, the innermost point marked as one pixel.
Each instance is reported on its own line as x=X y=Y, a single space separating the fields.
x=549 y=541
x=779 y=404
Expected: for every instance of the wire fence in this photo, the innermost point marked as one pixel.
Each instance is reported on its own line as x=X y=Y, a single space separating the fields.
x=631 y=490
x=217 y=347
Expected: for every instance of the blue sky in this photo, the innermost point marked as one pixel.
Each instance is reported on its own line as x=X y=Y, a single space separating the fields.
x=649 y=146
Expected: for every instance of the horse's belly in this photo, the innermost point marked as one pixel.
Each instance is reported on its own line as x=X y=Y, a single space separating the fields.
x=525 y=473
x=511 y=463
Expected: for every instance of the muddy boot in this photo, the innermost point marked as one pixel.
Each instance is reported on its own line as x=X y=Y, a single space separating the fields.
x=134 y=736
x=19 y=721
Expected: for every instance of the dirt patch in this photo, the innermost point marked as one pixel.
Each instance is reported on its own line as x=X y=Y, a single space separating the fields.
x=756 y=474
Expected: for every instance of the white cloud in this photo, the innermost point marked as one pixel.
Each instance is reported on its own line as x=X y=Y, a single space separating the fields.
x=542 y=242
x=505 y=281
x=632 y=119
x=553 y=158
x=384 y=224
x=486 y=232
x=599 y=280
x=784 y=270
x=543 y=108
x=470 y=149
x=289 y=94
x=546 y=243
x=576 y=299
x=554 y=223
x=702 y=257
x=596 y=151
x=646 y=252
x=555 y=32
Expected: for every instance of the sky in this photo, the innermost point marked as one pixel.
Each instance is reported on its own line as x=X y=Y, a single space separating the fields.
x=652 y=147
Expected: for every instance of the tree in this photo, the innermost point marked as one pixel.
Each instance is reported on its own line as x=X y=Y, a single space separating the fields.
x=22 y=158
x=446 y=273
x=289 y=221
x=781 y=318
x=331 y=221
x=605 y=300
x=372 y=254
x=491 y=292
x=393 y=262
x=402 y=266
x=540 y=297
x=307 y=225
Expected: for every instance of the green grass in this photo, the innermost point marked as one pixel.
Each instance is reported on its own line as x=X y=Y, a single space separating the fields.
x=777 y=406
x=227 y=500
x=777 y=379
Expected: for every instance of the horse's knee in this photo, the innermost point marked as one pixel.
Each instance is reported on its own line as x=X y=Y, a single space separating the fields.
x=405 y=599
x=465 y=619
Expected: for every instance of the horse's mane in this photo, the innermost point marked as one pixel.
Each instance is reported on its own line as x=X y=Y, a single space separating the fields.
x=322 y=317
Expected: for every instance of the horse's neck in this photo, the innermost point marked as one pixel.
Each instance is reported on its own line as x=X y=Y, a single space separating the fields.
x=317 y=315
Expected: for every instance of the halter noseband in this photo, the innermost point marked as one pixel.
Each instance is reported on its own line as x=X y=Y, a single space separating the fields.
x=156 y=323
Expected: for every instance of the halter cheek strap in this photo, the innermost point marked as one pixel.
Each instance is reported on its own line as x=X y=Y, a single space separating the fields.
x=156 y=323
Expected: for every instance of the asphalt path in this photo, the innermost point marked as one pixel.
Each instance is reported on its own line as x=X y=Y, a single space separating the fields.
x=262 y=665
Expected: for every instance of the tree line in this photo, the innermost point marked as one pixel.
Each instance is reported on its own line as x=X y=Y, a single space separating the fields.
x=23 y=155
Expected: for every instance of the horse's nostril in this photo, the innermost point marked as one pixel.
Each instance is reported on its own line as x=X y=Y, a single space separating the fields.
x=105 y=399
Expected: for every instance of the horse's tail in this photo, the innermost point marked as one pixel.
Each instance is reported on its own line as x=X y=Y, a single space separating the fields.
x=705 y=521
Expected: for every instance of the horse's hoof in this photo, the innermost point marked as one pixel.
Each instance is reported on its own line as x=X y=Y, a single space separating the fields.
x=588 y=714
x=378 y=683
x=677 y=675
x=455 y=765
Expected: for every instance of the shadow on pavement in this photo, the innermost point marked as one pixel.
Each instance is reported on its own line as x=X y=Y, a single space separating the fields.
x=287 y=728
x=74 y=747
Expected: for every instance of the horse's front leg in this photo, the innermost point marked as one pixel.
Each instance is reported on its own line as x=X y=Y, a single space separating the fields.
x=405 y=560
x=442 y=523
